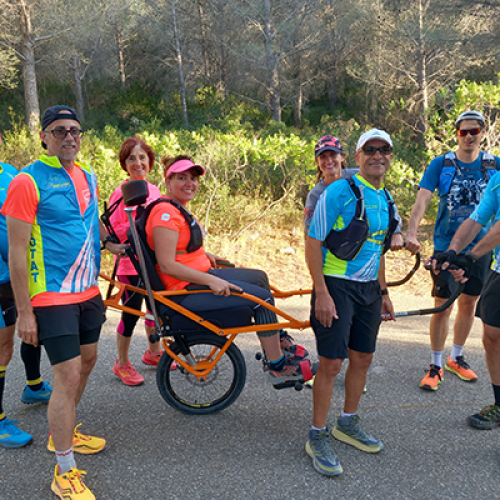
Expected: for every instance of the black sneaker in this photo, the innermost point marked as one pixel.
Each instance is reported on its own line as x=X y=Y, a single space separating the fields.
x=488 y=418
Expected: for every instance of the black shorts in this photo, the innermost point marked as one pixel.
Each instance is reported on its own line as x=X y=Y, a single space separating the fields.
x=63 y=329
x=358 y=307
x=8 y=312
x=487 y=308
x=445 y=284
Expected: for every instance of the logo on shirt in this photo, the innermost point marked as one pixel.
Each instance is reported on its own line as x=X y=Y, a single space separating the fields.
x=86 y=196
x=165 y=217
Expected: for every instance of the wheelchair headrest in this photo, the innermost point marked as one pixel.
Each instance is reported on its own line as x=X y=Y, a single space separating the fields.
x=135 y=193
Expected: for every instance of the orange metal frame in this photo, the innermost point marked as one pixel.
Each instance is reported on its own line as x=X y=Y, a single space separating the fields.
x=202 y=368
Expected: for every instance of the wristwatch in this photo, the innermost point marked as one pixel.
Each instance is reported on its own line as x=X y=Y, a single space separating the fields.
x=108 y=239
x=384 y=292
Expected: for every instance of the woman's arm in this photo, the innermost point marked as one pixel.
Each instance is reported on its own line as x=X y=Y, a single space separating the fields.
x=165 y=242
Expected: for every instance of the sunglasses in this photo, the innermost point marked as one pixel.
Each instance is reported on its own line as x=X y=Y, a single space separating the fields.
x=61 y=133
x=471 y=131
x=371 y=150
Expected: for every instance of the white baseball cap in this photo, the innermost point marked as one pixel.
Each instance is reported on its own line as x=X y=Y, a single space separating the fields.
x=371 y=135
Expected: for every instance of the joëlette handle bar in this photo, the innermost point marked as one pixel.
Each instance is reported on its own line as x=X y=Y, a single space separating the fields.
x=412 y=271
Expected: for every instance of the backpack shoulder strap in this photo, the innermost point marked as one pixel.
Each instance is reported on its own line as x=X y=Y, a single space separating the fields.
x=359 y=198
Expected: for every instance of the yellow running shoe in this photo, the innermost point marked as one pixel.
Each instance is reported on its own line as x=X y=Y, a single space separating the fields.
x=70 y=486
x=86 y=445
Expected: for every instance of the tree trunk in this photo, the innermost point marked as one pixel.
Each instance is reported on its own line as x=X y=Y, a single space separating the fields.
x=121 y=55
x=204 y=41
x=423 y=97
x=272 y=66
x=31 y=103
x=181 y=69
x=78 y=89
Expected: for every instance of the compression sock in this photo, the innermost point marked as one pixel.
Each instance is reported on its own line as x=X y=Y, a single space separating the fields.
x=3 y=369
x=65 y=460
x=278 y=364
x=30 y=355
x=437 y=358
x=456 y=350
x=496 y=391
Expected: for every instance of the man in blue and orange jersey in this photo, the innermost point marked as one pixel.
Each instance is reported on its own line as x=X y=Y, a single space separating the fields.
x=54 y=237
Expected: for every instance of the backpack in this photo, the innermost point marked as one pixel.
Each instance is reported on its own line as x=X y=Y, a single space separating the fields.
x=196 y=234
x=346 y=243
x=450 y=168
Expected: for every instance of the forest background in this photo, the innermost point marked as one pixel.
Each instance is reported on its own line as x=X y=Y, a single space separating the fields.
x=246 y=87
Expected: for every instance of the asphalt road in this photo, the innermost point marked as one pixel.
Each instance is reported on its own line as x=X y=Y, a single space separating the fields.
x=255 y=448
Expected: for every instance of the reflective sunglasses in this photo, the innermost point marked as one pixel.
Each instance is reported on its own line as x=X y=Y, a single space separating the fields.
x=471 y=131
x=61 y=133
x=371 y=150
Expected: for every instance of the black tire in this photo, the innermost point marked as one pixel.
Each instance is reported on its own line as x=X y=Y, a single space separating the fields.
x=186 y=393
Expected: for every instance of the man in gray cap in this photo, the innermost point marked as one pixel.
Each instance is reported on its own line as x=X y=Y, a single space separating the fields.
x=460 y=178
x=55 y=238
x=351 y=229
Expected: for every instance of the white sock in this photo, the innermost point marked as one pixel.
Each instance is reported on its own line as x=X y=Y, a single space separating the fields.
x=456 y=350
x=65 y=460
x=344 y=414
x=437 y=358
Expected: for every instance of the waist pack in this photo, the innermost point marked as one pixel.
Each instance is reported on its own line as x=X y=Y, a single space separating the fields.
x=346 y=243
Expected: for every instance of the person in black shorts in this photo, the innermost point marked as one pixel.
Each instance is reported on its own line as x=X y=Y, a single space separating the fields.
x=488 y=306
x=52 y=211
x=349 y=294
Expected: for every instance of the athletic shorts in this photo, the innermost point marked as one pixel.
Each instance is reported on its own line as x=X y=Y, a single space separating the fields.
x=63 y=329
x=359 y=308
x=8 y=312
x=487 y=308
x=445 y=284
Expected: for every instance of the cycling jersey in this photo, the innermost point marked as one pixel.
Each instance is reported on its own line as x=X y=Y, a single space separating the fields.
x=7 y=173
x=335 y=210
x=489 y=209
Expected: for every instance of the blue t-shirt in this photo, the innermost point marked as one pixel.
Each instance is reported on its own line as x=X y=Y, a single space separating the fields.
x=335 y=210
x=457 y=202
x=7 y=173
x=488 y=210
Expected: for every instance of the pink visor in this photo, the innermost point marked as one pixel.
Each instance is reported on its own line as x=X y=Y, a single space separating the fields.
x=183 y=165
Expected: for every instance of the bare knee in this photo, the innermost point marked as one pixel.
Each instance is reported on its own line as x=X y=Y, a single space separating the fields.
x=6 y=345
x=330 y=368
x=360 y=360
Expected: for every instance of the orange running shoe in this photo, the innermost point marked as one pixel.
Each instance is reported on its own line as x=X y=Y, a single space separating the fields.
x=86 y=445
x=461 y=369
x=433 y=378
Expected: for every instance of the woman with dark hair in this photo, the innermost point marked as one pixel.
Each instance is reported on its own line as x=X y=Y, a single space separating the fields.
x=137 y=159
x=180 y=264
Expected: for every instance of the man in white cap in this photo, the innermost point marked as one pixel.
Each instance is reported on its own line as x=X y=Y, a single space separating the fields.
x=460 y=178
x=350 y=231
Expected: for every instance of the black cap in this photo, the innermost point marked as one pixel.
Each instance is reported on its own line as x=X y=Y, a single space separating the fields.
x=54 y=113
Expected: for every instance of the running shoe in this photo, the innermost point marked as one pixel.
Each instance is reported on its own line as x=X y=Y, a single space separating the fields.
x=433 y=378
x=290 y=349
x=127 y=374
x=293 y=370
x=86 y=445
x=350 y=431
x=319 y=448
x=461 y=369
x=150 y=358
x=11 y=436
x=29 y=396
x=70 y=485
x=488 y=418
